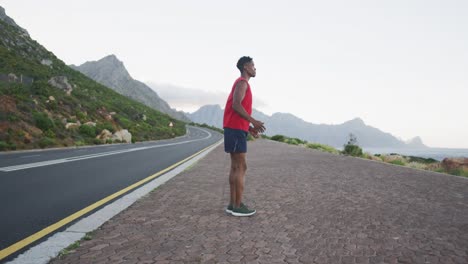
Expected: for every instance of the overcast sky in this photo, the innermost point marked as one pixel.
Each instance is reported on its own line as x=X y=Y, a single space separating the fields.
x=400 y=65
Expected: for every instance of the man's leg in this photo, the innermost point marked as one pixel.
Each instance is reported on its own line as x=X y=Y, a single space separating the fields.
x=232 y=181
x=236 y=178
x=238 y=169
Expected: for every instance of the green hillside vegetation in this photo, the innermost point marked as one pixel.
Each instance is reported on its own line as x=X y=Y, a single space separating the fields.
x=204 y=125
x=34 y=114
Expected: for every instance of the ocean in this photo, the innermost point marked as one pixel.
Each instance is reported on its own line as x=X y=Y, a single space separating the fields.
x=435 y=153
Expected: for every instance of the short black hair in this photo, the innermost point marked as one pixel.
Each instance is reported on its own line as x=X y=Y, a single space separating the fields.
x=242 y=61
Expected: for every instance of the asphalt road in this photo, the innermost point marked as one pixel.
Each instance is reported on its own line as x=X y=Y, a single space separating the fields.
x=40 y=188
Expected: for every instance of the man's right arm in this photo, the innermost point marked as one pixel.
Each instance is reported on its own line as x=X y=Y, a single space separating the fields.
x=238 y=96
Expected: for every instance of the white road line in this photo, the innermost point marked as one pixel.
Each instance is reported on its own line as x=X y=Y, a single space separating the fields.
x=97 y=155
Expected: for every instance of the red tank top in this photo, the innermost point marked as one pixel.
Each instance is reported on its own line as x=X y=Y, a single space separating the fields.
x=231 y=118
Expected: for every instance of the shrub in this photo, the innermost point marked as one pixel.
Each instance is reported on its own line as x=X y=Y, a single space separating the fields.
x=3 y=116
x=52 y=105
x=3 y=145
x=20 y=133
x=58 y=124
x=49 y=133
x=292 y=141
x=46 y=142
x=81 y=116
x=352 y=140
x=12 y=117
x=352 y=150
x=279 y=138
x=422 y=160
x=300 y=141
x=42 y=121
x=89 y=131
x=105 y=125
x=12 y=146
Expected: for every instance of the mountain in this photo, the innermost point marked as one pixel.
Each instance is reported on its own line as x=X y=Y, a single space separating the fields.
x=416 y=143
x=111 y=72
x=208 y=114
x=11 y=22
x=45 y=103
x=292 y=126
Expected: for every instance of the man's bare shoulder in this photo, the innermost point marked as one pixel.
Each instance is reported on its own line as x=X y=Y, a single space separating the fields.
x=242 y=84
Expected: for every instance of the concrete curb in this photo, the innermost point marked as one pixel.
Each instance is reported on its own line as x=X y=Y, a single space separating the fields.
x=50 y=248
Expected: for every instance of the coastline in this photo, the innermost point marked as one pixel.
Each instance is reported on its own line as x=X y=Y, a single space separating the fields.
x=435 y=153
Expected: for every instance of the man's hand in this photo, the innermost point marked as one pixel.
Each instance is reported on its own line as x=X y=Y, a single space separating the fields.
x=254 y=132
x=258 y=126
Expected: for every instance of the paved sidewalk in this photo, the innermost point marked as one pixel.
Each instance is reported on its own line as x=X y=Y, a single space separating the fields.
x=312 y=207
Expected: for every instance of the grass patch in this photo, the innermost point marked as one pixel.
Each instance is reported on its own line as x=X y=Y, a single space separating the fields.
x=417 y=165
x=397 y=162
x=88 y=236
x=297 y=141
x=80 y=143
x=69 y=249
x=459 y=172
x=322 y=147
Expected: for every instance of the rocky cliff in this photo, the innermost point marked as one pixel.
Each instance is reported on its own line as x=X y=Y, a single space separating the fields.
x=111 y=72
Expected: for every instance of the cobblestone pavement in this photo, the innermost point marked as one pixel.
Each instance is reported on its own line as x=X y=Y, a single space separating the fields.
x=312 y=207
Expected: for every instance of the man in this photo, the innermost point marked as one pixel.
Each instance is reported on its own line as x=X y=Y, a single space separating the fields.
x=236 y=123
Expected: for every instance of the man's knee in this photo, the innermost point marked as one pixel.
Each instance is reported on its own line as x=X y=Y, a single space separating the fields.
x=239 y=166
x=238 y=162
x=234 y=167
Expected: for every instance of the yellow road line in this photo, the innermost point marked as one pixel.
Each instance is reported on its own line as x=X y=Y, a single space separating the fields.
x=23 y=243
